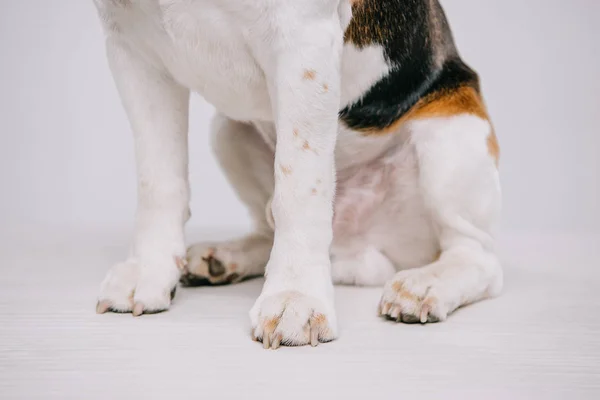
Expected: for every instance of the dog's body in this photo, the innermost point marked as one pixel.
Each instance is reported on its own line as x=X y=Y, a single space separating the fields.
x=369 y=93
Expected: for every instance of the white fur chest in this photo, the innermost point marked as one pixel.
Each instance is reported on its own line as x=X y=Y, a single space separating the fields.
x=207 y=46
x=202 y=44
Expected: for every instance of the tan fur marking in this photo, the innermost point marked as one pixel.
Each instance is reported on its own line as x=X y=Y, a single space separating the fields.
x=325 y=87
x=271 y=324
x=463 y=100
x=296 y=133
x=319 y=319
x=313 y=191
x=397 y=286
x=409 y=297
x=309 y=74
x=493 y=147
x=286 y=169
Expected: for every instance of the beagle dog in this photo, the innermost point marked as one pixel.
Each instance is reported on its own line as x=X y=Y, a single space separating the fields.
x=352 y=131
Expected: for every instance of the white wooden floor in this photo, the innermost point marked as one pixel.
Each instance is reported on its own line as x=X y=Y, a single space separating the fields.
x=540 y=340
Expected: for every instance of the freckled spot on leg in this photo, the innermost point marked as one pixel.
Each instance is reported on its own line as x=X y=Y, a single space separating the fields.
x=309 y=74
x=286 y=169
x=306 y=146
x=313 y=191
x=325 y=88
x=296 y=133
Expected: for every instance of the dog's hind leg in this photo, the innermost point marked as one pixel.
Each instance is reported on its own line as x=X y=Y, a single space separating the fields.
x=248 y=164
x=459 y=182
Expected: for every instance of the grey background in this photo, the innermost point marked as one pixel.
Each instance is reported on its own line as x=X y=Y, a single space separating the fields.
x=66 y=156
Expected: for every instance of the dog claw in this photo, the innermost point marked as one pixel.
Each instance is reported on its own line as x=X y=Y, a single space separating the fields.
x=138 y=309
x=424 y=313
x=102 y=306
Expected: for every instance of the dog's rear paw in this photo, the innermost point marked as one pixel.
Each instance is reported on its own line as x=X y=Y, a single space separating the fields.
x=211 y=265
x=415 y=296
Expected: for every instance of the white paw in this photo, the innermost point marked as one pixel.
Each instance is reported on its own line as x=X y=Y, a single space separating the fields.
x=139 y=288
x=291 y=318
x=413 y=296
x=211 y=265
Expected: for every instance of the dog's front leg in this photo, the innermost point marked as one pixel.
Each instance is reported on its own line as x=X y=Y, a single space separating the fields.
x=302 y=66
x=157 y=108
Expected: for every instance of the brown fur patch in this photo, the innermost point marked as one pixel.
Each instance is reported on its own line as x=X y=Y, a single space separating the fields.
x=309 y=74
x=463 y=100
x=325 y=87
x=363 y=30
x=313 y=191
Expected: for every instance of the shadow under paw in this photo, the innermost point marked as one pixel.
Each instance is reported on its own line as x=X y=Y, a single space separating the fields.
x=191 y=280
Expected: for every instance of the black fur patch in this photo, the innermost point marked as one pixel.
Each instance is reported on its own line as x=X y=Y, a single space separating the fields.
x=421 y=53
